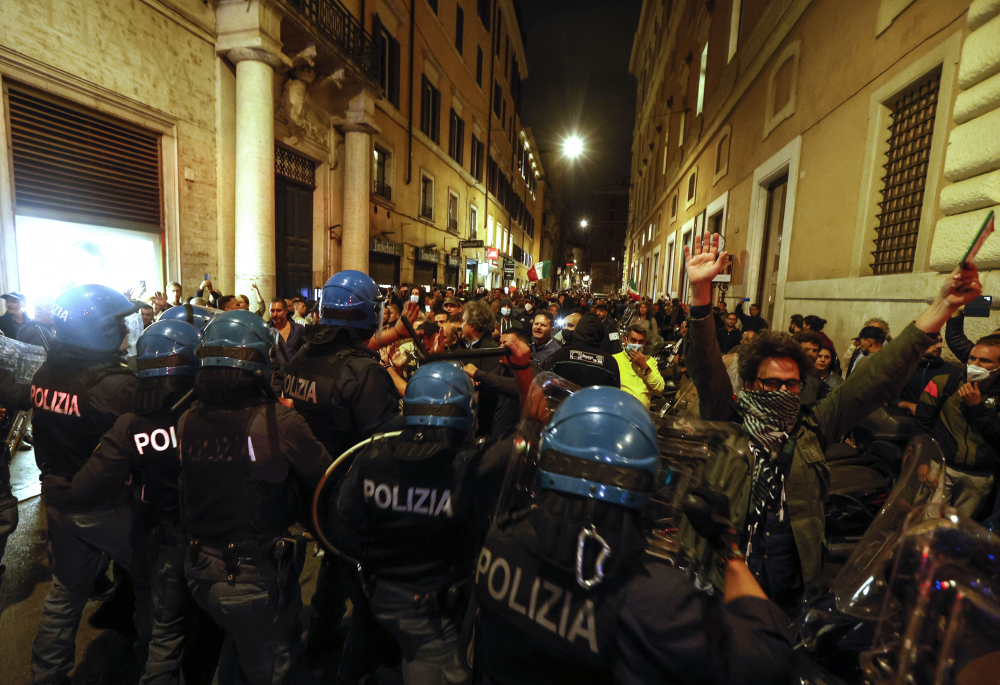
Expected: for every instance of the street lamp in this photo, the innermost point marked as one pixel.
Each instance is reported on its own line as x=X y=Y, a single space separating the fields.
x=583 y=223
x=573 y=146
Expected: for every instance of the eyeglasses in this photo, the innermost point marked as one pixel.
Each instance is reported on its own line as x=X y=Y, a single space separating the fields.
x=793 y=385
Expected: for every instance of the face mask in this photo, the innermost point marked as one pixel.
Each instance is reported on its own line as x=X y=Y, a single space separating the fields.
x=415 y=299
x=527 y=307
x=977 y=374
x=768 y=416
x=505 y=311
x=568 y=336
x=635 y=347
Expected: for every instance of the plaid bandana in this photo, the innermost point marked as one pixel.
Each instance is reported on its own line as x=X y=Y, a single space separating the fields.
x=768 y=416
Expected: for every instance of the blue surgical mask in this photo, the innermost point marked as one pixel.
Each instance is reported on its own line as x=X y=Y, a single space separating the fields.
x=635 y=347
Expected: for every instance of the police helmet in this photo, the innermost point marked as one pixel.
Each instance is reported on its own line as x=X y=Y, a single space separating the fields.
x=167 y=348
x=351 y=300
x=237 y=339
x=90 y=317
x=440 y=394
x=601 y=443
x=197 y=316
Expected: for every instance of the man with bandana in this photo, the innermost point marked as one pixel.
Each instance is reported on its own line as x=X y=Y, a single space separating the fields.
x=961 y=414
x=777 y=480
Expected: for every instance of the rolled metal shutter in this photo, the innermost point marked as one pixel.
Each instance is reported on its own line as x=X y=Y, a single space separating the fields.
x=80 y=166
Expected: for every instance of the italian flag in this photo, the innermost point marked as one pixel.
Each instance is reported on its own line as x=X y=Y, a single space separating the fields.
x=633 y=292
x=540 y=270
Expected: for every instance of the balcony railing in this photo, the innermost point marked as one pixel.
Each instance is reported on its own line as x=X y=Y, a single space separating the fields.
x=383 y=190
x=333 y=22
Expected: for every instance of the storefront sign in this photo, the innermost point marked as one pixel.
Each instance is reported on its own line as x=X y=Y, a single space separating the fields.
x=493 y=253
x=385 y=247
x=425 y=254
x=454 y=261
x=508 y=269
x=469 y=244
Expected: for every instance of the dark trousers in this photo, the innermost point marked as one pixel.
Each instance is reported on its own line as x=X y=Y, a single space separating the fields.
x=77 y=543
x=261 y=620
x=171 y=601
x=8 y=505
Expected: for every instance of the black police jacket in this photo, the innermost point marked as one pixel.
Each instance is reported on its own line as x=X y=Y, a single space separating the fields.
x=646 y=624
x=343 y=393
x=142 y=443
x=77 y=398
x=611 y=341
x=416 y=506
x=247 y=473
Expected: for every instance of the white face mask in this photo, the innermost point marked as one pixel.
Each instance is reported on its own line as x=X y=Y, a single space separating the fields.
x=505 y=311
x=635 y=347
x=977 y=374
x=415 y=299
x=527 y=306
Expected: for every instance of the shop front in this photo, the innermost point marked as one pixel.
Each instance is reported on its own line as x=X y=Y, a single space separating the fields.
x=451 y=270
x=425 y=266
x=383 y=261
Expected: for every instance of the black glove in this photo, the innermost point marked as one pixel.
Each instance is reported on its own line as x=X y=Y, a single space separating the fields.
x=708 y=512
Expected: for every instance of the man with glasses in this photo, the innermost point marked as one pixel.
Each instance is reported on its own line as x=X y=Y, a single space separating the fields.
x=777 y=478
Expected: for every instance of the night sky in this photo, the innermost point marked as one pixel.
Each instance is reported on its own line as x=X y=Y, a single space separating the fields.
x=578 y=53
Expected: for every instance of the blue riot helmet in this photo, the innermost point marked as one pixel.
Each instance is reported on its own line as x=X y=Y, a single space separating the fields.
x=601 y=444
x=91 y=317
x=440 y=394
x=237 y=339
x=351 y=300
x=197 y=316
x=167 y=348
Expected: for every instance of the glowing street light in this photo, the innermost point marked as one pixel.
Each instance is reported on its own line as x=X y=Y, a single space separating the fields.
x=583 y=223
x=573 y=146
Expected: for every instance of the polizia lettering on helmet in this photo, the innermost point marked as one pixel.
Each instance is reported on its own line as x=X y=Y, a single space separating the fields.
x=425 y=501
x=542 y=601
x=55 y=401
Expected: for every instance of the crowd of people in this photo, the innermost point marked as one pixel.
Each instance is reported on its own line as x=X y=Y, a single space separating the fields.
x=200 y=466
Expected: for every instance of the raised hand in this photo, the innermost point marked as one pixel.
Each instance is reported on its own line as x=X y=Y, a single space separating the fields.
x=961 y=286
x=159 y=300
x=704 y=264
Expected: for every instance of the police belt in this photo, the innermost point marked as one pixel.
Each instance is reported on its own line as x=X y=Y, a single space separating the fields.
x=451 y=599
x=287 y=552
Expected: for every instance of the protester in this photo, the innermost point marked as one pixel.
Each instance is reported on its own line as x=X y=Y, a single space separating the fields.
x=930 y=366
x=640 y=376
x=870 y=340
x=829 y=378
x=778 y=483
x=292 y=334
x=543 y=345
x=752 y=321
x=14 y=317
x=729 y=336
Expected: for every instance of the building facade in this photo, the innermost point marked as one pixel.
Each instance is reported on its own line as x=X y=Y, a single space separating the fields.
x=267 y=142
x=845 y=150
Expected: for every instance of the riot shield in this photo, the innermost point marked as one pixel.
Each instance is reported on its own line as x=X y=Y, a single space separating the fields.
x=324 y=504
x=939 y=622
x=133 y=322
x=520 y=484
x=693 y=453
x=20 y=359
x=860 y=586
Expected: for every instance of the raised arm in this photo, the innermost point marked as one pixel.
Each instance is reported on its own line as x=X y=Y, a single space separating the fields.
x=702 y=353
x=956 y=339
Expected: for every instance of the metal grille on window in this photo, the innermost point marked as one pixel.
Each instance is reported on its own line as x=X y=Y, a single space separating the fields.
x=77 y=165
x=905 y=177
x=294 y=167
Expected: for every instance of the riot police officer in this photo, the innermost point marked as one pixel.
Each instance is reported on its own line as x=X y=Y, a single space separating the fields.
x=248 y=467
x=568 y=594
x=77 y=395
x=339 y=386
x=196 y=315
x=417 y=506
x=145 y=441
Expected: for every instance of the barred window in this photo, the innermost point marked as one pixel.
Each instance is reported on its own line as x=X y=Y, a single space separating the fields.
x=910 y=137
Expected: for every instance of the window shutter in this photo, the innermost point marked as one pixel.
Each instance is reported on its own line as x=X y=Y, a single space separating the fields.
x=81 y=165
x=394 y=72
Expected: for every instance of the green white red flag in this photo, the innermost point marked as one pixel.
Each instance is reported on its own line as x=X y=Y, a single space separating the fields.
x=540 y=270
x=633 y=292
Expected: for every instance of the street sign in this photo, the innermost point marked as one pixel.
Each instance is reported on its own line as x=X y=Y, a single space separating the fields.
x=493 y=253
x=508 y=269
x=469 y=244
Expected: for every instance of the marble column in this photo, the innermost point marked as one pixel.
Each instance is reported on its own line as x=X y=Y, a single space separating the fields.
x=254 y=177
x=357 y=181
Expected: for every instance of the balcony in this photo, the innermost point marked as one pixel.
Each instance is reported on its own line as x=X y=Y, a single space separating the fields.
x=332 y=23
x=383 y=190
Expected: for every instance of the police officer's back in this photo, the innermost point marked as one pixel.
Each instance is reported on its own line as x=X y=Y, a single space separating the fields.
x=582 y=361
x=567 y=593
x=248 y=467
x=417 y=506
x=77 y=395
x=335 y=381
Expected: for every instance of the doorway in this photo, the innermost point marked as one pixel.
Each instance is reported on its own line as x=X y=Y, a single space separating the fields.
x=293 y=237
x=770 y=254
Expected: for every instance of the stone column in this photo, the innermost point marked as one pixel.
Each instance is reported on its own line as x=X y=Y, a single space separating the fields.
x=357 y=181
x=254 y=178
